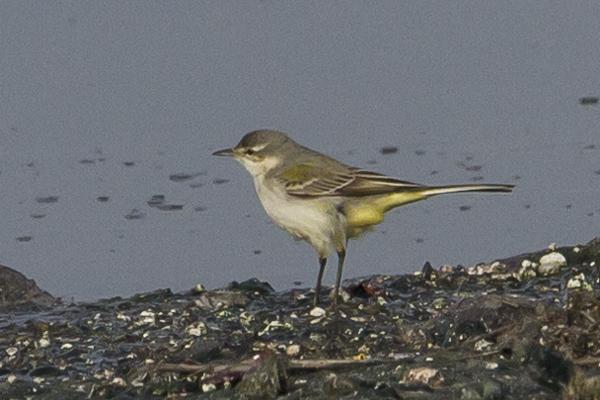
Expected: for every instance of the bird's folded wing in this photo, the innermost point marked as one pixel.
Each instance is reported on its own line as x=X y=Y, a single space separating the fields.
x=307 y=180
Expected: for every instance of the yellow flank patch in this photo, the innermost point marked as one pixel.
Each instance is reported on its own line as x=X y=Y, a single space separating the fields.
x=363 y=215
x=367 y=211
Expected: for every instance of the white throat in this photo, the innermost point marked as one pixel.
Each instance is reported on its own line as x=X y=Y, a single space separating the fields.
x=261 y=167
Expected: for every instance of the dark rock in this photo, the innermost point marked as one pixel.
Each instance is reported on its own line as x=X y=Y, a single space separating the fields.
x=19 y=293
x=427 y=271
x=45 y=370
x=252 y=285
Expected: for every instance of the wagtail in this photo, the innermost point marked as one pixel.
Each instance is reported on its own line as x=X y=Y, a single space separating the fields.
x=324 y=201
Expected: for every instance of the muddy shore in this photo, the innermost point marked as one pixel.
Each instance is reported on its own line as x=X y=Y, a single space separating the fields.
x=526 y=327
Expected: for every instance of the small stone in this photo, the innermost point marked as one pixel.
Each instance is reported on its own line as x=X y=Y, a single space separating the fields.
x=574 y=283
x=197 y=330
x=274 y=325
x=208 y=387
x=344 y=295
x=199 y=288
x=439 y=303
x=292 y=350
x=482 y=345
x=11 y=351
x=491 y=365
x=317 y=312
x=527 y=271
x=148 y=317
x=551 y=263
x=446 y=268
x=426 y=375
x=117 y=381
x=66 y=346
x=579 y=282
x=12 y=378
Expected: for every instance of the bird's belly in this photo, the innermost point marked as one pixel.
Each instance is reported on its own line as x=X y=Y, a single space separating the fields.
x=313 y=220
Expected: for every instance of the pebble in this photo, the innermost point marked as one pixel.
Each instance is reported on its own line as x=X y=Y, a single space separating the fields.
x=551 y=263
x=11 y=351
x=574 y=283
x=317 y=312
x=197 y=330
x=44 y=341
x=447 y=269
x=148 y=317
x=117 y=381
x=424 y=375
x=208 y=387
x=527 y=271
x=579 y=282
x=293 y=350
x=482 y=345
x=491 y=365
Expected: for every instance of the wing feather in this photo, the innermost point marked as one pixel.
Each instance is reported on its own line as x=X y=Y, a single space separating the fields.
x=306 y=180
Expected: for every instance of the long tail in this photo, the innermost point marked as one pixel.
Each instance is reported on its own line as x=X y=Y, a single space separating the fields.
x=493 y=188
x=370 y=210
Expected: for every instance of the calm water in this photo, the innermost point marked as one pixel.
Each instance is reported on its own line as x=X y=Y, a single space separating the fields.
x=109 y=113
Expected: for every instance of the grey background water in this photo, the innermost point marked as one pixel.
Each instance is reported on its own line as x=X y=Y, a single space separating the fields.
x=111 y=98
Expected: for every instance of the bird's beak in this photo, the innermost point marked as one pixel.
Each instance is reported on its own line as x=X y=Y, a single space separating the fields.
x=224 y=153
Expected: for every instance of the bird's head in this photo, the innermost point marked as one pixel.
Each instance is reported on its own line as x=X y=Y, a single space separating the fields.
x=259 y=151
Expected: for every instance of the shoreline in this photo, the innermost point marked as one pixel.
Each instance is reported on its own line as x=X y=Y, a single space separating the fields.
x=520 y=327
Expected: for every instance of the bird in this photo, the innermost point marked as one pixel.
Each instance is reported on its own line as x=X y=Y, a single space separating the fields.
x=323 y=201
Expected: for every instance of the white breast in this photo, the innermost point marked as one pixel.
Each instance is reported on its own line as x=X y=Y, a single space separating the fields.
x=313 y=220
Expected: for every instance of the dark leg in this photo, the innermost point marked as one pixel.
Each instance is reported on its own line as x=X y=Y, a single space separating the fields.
x=322 y=263
x=341 y=256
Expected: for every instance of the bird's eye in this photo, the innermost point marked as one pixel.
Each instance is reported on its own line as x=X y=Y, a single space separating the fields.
x=249 y=152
